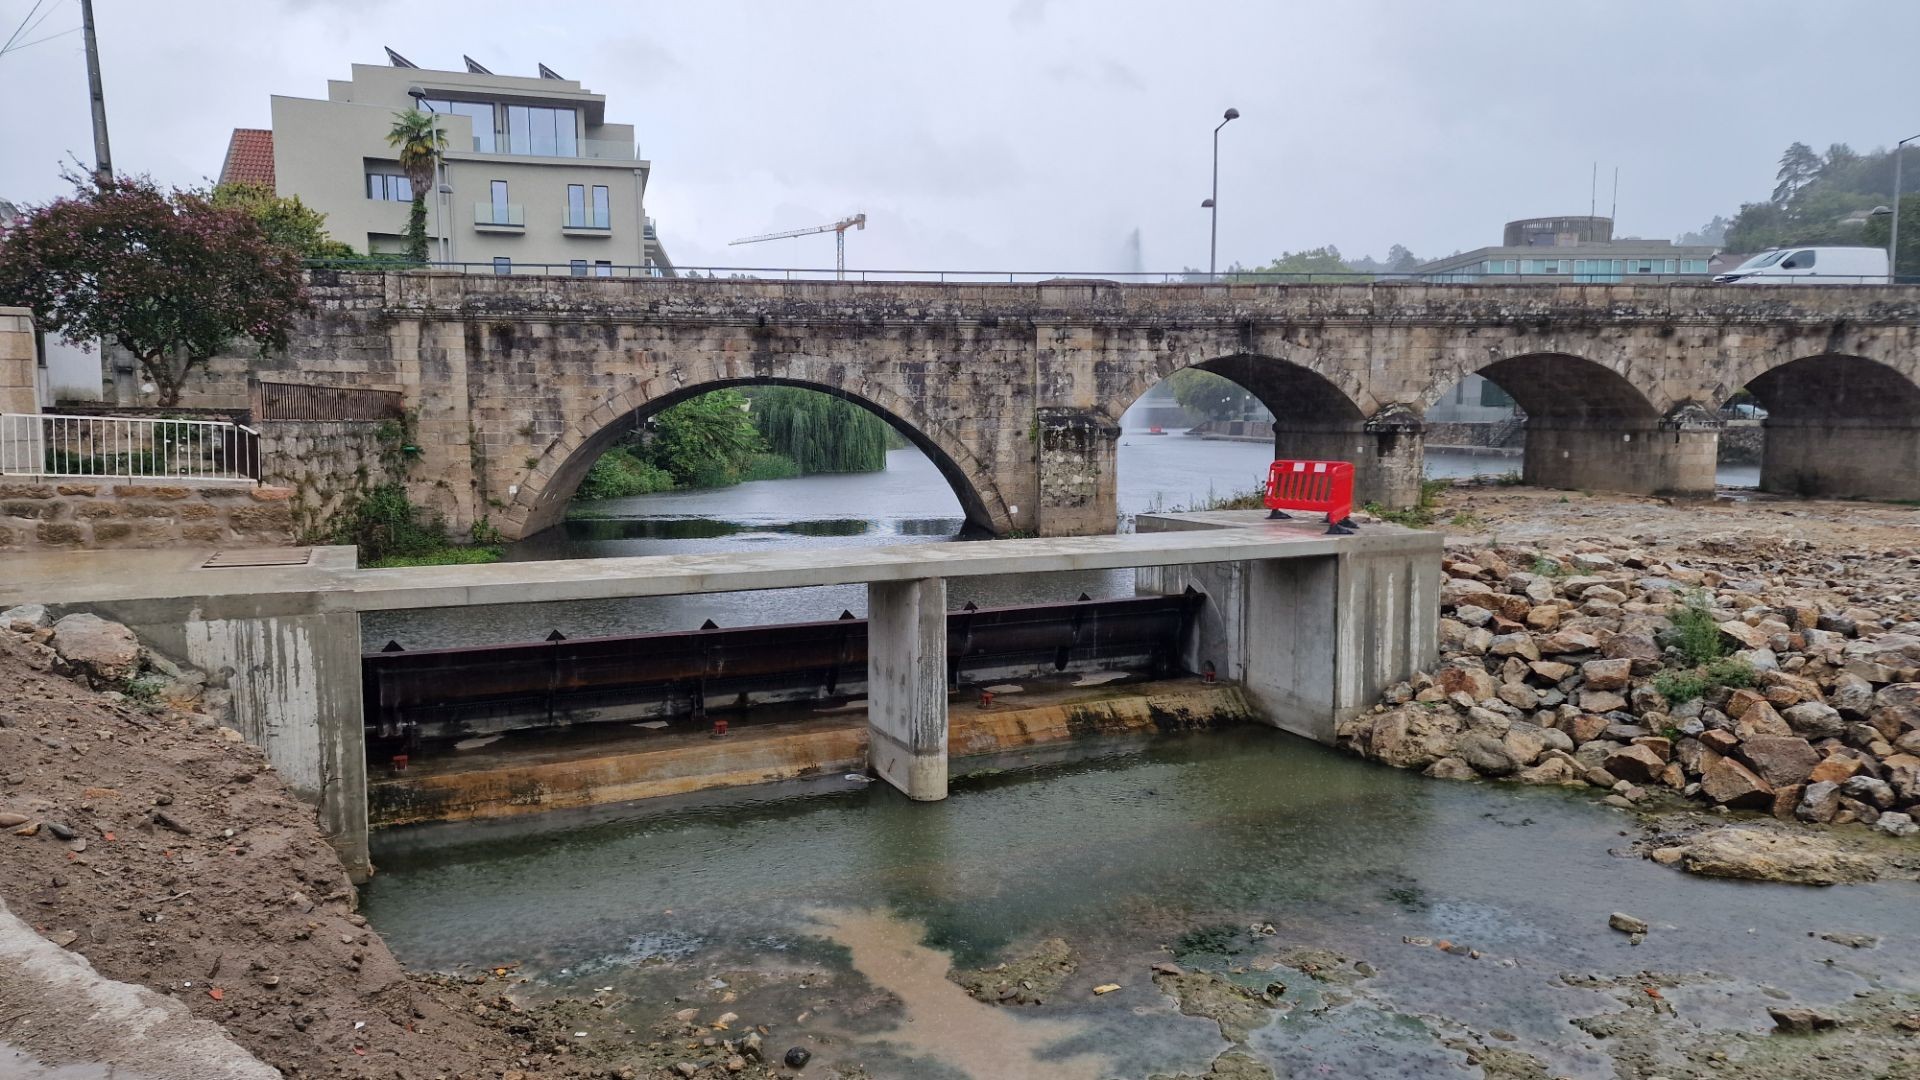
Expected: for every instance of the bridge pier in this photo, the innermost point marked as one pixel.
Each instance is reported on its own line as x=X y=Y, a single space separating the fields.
x=1078 y=477
x=1637 y=457
x=907 y=685
x=1841 y=458
x=1388 y=452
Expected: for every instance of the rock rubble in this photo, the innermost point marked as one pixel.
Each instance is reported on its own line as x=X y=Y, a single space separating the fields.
x=1751 y=683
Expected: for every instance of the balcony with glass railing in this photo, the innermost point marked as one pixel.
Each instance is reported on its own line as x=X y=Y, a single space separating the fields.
x=575 y=149
x=574 y=217
x=491 y=215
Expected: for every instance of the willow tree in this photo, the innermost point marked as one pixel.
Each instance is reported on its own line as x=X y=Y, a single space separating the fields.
x=420 y=141
x=820 y=432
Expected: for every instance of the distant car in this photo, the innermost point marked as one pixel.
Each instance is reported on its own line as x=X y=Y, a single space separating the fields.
x=1811 y=266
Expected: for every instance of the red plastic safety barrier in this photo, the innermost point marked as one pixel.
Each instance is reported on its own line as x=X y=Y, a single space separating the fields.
x=1314 y=487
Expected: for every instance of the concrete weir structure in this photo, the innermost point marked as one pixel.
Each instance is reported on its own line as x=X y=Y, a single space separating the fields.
x=1312 y=626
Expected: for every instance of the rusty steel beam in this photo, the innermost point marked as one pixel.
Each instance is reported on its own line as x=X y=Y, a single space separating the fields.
x=448 y=693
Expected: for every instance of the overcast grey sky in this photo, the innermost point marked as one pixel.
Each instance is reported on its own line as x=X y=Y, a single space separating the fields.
x=1037 y=134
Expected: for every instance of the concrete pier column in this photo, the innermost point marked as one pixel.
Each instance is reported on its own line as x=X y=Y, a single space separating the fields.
x=1078 y=485
x=1637 y=457
x=1313 y=640
x=295 y=681
x=1841 y=458
x=907 y=685
x=1388 y=452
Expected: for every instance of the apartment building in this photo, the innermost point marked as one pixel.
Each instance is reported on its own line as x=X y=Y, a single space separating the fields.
x=534 y=179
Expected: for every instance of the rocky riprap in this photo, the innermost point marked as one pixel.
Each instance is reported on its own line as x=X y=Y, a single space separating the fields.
x=1573 y=667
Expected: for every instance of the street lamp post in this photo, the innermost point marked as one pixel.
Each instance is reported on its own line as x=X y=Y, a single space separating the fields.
x=1893 y=240
x=1213 y=204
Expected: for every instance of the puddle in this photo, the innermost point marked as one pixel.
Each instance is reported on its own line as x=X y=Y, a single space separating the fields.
x=942 y=1024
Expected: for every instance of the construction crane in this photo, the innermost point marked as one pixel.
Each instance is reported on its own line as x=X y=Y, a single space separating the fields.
x=839 y=231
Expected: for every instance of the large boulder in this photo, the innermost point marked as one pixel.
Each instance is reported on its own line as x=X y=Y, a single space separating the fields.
x=1465 y=677
x=1414 y=736
x=1520 y=644
x=1729 y=783
x=105 y=652
x=1812 y=720
x=1486 y=754
x=1569 y=641
x=1455 y=592
x=1746 y=637
x=1819 y=803
x=1606 y=674
x=1896 y=709
x=1759 y=720
x=1769 y=855
x=1636 y=763
x=1852 y=696
x=1780 y=760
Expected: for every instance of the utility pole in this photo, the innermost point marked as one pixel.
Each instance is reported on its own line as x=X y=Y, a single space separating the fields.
x=102 y=157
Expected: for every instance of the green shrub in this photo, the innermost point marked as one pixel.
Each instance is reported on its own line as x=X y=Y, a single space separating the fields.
x=1694 y=632
x=390 y=531
x=1685 y=685
x=620 y=473
x=1546 y=567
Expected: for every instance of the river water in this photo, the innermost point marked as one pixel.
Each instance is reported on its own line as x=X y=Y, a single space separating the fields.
x=908 y=503
x=831 y=910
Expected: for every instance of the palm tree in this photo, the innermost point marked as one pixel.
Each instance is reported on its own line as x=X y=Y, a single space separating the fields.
x=420 y=140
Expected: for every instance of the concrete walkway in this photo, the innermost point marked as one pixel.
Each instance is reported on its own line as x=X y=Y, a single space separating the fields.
x=74 y=1016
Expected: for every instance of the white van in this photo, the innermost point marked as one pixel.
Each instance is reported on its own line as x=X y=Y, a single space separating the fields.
x=1811 y=266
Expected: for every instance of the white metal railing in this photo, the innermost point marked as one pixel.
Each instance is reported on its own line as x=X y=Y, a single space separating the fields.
x=128 y=448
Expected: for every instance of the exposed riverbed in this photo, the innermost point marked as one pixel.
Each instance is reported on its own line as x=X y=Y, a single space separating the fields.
x=831 y=911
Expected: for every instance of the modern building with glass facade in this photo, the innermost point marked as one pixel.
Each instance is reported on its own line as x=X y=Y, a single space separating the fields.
x=1575 y=249
x=534 y=177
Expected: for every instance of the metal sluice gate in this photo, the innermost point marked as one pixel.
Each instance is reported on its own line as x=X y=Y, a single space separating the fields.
x=439 y=694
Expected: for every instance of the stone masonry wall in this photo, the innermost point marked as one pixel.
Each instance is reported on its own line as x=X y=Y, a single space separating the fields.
x=328 y=464
x=101 y=514
x=517 y=382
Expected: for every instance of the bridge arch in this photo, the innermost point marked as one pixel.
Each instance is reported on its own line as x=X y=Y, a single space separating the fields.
x=1558 y=384
x=1838 y=424
x=1590 y=426
x=1315 y=416
x=550 y=482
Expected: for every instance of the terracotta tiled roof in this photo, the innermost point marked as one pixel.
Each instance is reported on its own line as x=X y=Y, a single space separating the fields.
x=249 y=158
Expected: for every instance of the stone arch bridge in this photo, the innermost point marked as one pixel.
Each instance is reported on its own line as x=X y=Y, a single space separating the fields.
x=1015 y=390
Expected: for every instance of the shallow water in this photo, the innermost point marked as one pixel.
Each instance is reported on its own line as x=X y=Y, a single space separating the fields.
x=845 y=902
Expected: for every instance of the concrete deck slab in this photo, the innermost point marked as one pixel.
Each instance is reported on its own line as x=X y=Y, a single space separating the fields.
x=121 y=577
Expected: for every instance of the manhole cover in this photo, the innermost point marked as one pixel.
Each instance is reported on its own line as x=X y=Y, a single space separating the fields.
x=259 y=557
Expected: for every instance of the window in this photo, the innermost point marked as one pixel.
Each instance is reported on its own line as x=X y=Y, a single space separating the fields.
x=389 y=187
x=578 y=268
x=602 y=268
x=499 y=199
x=1799 y=260
x=480 y=112
x=576 y=206
x=541 y=132
x=502 y=264
x=601 y=218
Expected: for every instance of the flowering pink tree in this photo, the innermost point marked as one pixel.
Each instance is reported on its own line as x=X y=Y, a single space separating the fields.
x=167 y=275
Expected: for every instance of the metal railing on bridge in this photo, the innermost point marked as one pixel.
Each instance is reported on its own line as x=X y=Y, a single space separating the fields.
x=581 y=268
x=128 y=448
